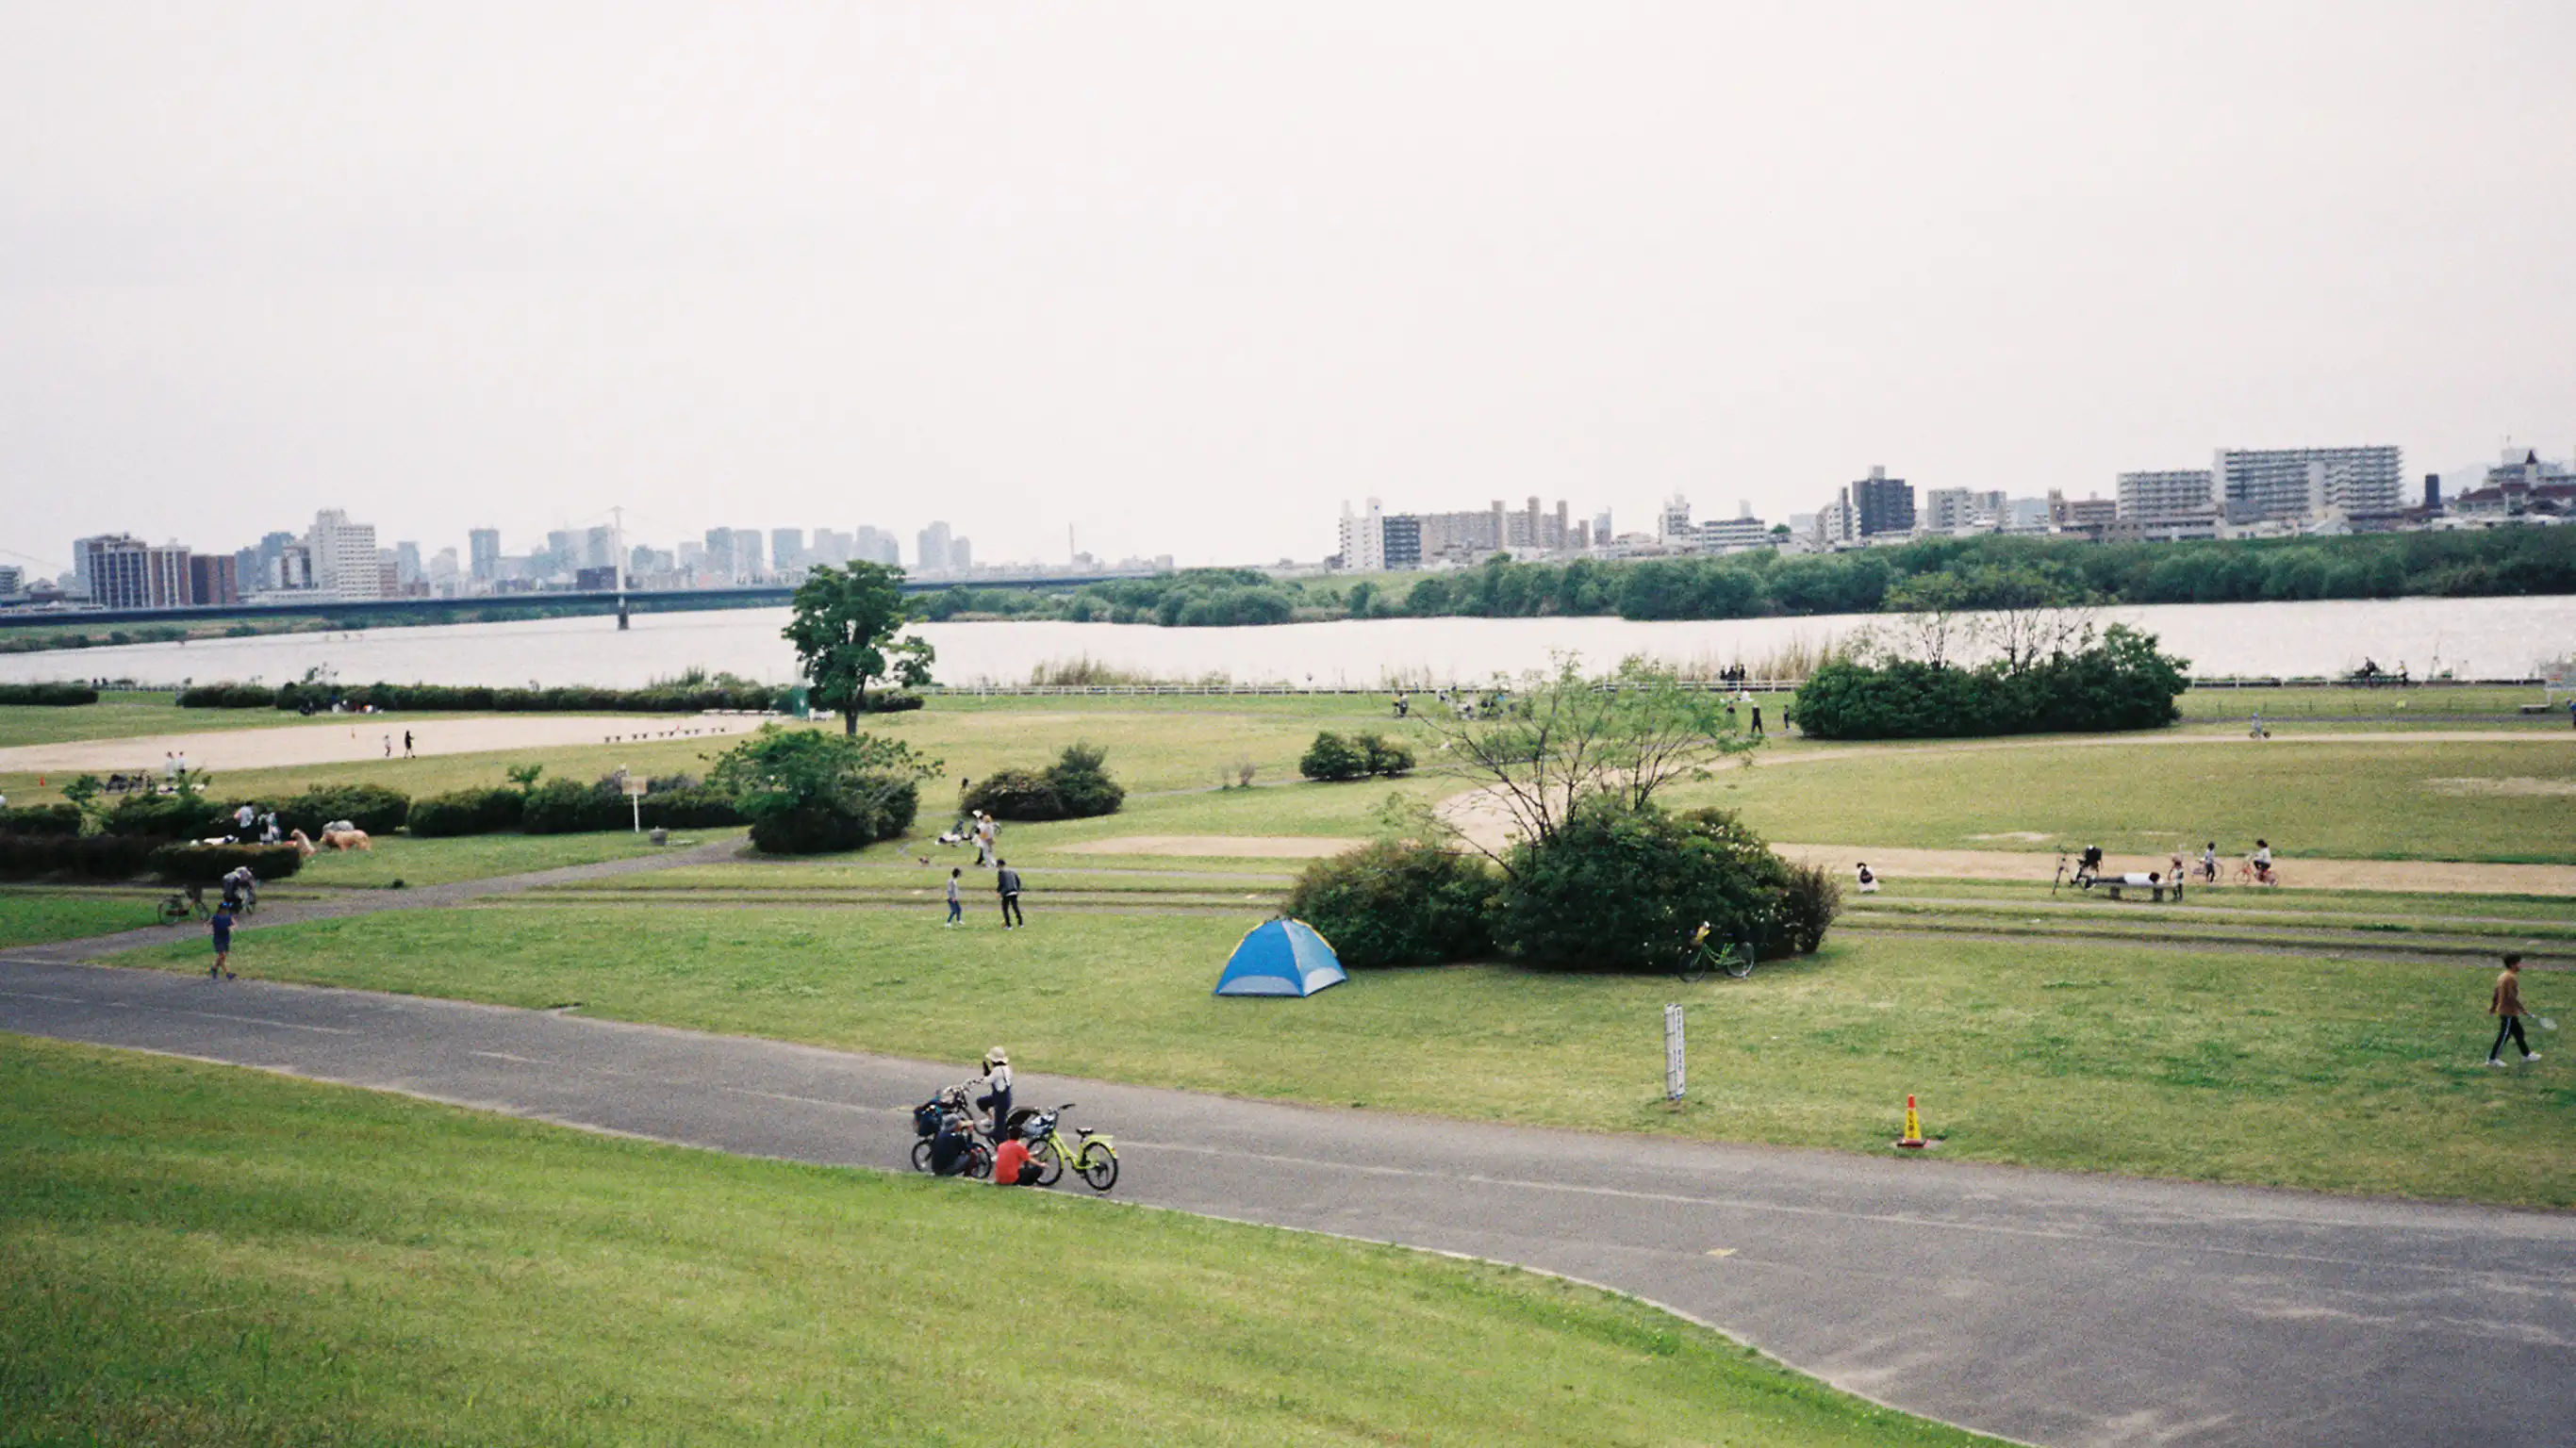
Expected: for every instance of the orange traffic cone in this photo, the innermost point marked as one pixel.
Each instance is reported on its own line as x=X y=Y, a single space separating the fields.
x=1913 y=1138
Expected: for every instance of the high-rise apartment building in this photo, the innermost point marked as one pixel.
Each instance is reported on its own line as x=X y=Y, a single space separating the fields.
x=1881 y=505
x=961 y=556
x=2171 y=495
x=1673 y=524
x=483 y=547
x=407 y=567
x=1601 y=533
x=829 y=547
x=2298 y=483
x=122 y=571
x=931 y=547
x=1363 y=540
x=344 y=556
x=1399 y=541
x=1947 y=510
x=599 y=547
x=213 y=579
x=787 y=548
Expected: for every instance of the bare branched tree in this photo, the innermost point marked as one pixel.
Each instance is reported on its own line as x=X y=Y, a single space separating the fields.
x=1544 y=748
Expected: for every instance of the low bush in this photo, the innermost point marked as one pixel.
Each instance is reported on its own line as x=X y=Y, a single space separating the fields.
x=52 y=695
x=1809 y=901
x=1392 y=903
x=1332 y=757
x=567 y=807
x=1076 y=786
x=1623 y=888
x=206 y=864
x=88 y=857
x=2120 y=682
x=227 y=696
x=371 y=807
x=467 y=698
x=465 y=812
x=894 y=701
x=186 y=816
x=40 y=819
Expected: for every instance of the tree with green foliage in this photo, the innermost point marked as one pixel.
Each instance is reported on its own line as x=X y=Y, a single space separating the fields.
x=847 y=632
x=807 y=792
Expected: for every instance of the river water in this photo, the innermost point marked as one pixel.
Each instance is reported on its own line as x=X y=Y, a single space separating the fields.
x=2472 y=638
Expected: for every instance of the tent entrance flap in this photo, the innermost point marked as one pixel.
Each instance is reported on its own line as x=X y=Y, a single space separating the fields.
x=1280 y=958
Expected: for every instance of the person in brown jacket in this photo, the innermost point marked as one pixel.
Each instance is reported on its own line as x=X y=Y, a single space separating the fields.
x=2507 y=1008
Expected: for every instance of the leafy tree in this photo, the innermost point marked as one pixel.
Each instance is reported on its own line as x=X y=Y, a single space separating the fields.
x=1076 y=786
x=1565 y=739
x=806 y=792
x=846 y=636
x=1622 y=887
x=1396 y=902
x=1331 y=757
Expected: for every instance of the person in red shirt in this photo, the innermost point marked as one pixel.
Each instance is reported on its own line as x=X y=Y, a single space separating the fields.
x=1012 y=1167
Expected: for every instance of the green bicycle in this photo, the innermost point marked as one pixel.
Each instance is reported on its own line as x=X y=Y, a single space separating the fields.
x=1091 y=1154
x=1734 y=958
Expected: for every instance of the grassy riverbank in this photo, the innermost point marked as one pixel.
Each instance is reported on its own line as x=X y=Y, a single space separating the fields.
x=2343 y=1075
x=206 y=1256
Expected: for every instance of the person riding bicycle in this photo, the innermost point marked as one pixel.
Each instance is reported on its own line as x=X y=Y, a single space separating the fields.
x=997 y=1090
x=240 y=885
x=2209 y=863
x=2262 y=861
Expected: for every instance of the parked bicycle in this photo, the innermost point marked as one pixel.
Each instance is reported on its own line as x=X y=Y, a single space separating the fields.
x=1091 y=1154
x=1734 y=958
x=925 y=1125
x=179 y=905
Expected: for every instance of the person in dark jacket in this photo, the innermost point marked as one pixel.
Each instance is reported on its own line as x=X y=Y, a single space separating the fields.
x=1007 y=881
x=2506 y=1006
x=222 y=968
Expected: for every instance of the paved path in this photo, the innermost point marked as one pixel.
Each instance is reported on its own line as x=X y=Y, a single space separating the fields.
x=2054 y=1308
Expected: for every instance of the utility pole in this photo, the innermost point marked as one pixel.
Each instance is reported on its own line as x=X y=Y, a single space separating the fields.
x=618 y=549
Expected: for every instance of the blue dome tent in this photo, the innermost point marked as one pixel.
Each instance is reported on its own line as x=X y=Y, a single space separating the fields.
x=1280 y=958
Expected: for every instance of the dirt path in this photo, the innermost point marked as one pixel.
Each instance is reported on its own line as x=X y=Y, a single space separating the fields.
x=2441 y=877
x=355 y=739
x=1232 y=847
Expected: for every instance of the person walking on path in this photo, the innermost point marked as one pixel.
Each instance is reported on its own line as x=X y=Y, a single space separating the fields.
x=1757 y=721
x=2506 y=1006
x=223 y=926
x=1007 y=881
x=407 y=744
x=956 y=907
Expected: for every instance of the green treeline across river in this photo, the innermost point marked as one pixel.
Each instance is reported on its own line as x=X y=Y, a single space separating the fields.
x=1984 y=572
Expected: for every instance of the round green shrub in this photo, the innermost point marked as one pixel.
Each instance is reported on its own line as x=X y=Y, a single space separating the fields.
x=1331 y=757
x=1623 y=889
x=1397 y=903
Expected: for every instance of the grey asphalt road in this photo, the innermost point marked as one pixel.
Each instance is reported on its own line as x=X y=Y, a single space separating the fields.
x=2047 y=1307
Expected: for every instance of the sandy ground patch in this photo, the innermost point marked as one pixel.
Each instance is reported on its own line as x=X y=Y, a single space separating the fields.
x=2507 y=784
x=2432 y=876
x=352 y=739
x=1239 y=847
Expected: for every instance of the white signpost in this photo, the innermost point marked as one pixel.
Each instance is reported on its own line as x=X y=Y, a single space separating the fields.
x=1672 y=1053
x=634 y=796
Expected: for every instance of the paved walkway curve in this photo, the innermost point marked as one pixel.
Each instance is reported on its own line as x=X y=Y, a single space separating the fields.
x=2053 y=1308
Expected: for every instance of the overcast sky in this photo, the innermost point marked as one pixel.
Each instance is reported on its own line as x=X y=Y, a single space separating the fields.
x=1185 y=277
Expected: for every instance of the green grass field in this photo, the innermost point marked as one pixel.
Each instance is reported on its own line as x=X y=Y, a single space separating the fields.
x=2336 y=1074
x=34 y=916
x=2456 y=801
x=205 y=1256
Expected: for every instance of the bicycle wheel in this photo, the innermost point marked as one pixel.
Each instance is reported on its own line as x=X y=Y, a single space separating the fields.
x=1047 y=1156
x=1693 y=966
x=979 y=1162
x=1737 y=960
x=921 y=1154
x=172 y=912
x=1099 y=1167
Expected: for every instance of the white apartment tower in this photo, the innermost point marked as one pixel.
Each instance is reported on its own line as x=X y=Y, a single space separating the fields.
x=2179 y=493
x=1363 y=538
x=1674 y=524
x=344 y=556
x=2309 y=482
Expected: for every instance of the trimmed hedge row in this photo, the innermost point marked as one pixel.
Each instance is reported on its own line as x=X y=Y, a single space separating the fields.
x=57 y=695
x=89 y=857
x=206 y=864
x=466 y=812
x=567 y=700
x=563 y=807
x=41 y=819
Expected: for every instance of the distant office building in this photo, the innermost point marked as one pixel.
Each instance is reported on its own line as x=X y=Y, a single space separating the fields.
x=1881 y=505
x=829 y=547
x=1673 y=524
x=1948 y=510
x=2432 y=492
x=2302 y=483
x=876 y=545
x=13 y=580
x=294 y=567
x=930 y=545
x=2088 y=515
x=407 y=569
x=213 y=579
x=595 y=580
x=272 y=552
x=1363 y=538
x=563 y=551
x=961 y=556
x=2161 y=496
x=483 y=547
x=693 y=556
x=1733 y=535
x=344 y=556
x=1601 y=527
x=786 y=548
x=1399 y=542
x=747 y=565
x=443 y=566
x=122 y=571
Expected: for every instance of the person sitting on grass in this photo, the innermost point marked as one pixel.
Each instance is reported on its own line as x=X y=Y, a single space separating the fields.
x=949 y=1146
x=1012 y=1166
x=1868 y=881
